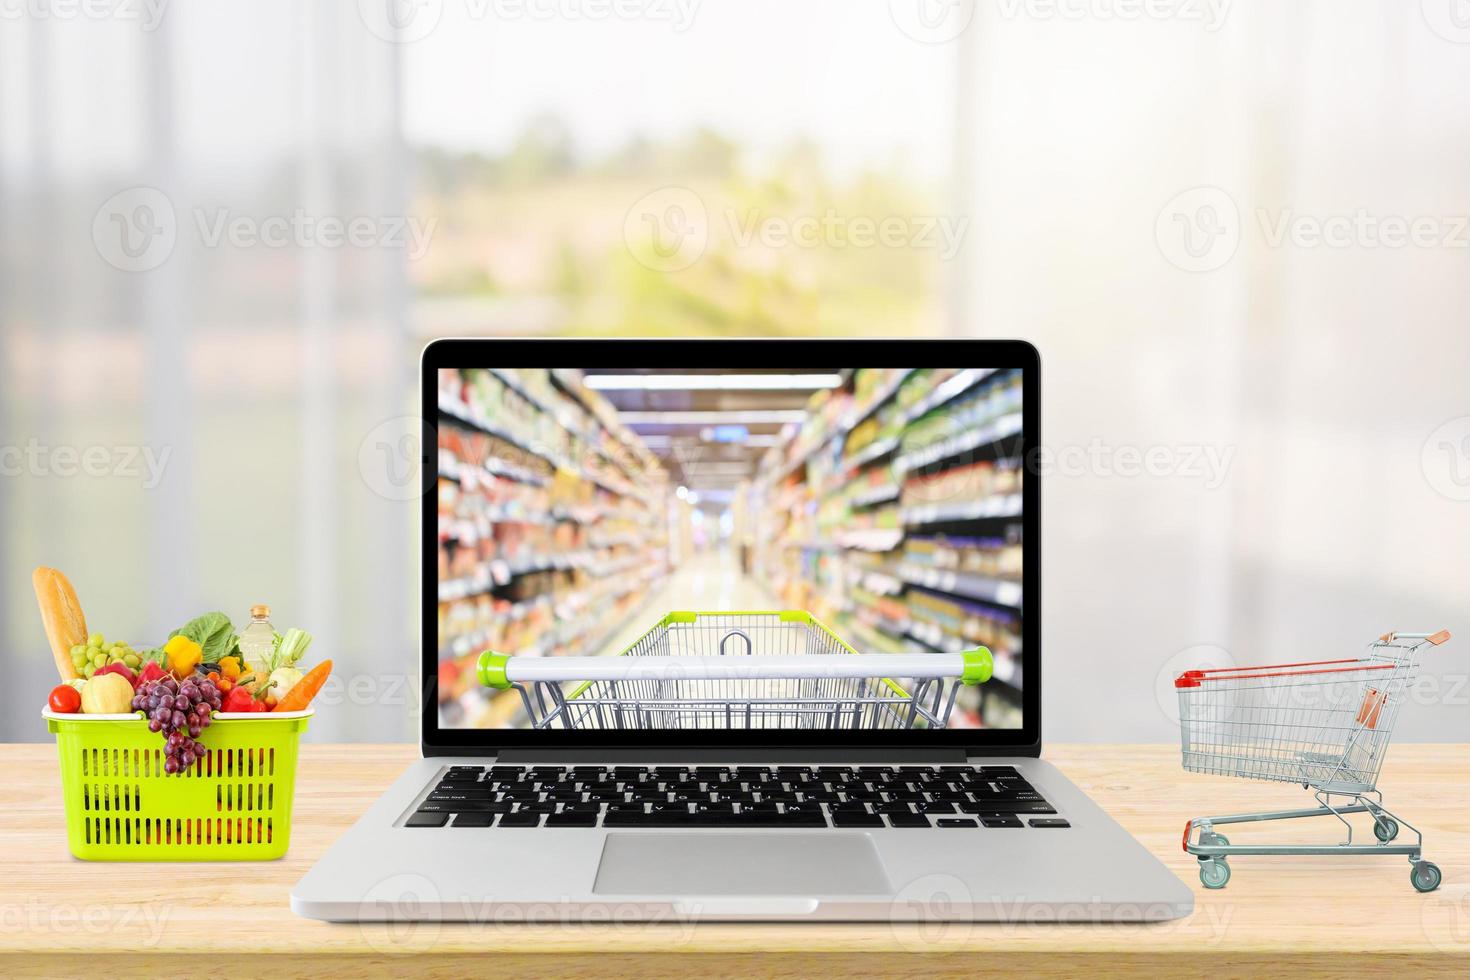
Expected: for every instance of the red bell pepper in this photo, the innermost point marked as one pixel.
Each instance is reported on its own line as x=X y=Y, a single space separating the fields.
x=239 y=699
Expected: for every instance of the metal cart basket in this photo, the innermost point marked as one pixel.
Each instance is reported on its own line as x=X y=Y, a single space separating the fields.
x=738 y=670
x=1324 y=724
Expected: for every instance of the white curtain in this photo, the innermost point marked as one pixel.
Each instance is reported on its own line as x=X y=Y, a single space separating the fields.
x=1328 y=370
x=173 y=290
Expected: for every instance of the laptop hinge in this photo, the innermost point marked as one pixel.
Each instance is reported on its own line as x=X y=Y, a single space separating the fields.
x=1024 y=751
x=750 y=754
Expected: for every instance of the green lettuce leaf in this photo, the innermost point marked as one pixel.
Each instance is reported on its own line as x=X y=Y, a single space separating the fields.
x=214 y=634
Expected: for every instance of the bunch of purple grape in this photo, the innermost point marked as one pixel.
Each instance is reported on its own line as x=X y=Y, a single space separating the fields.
x=180 y=710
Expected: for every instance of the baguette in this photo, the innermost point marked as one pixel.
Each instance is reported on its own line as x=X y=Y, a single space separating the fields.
x=62 y=615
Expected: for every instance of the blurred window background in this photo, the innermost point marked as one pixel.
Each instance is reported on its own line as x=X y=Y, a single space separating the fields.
x=1234 y=232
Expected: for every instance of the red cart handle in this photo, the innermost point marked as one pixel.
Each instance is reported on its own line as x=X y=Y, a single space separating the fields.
x=1193 y=678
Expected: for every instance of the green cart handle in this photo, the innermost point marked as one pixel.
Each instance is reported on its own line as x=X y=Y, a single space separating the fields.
x=971 y=667
x=979 y=666
x=491 y=669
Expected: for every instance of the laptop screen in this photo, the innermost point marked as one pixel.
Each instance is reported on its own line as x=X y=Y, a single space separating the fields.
x=775 y=547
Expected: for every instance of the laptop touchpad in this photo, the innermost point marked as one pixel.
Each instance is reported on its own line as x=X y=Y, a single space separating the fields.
x=755 y=863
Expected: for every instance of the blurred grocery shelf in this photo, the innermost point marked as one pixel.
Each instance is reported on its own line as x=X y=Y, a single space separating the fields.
x=894 y=512
x=576 y=507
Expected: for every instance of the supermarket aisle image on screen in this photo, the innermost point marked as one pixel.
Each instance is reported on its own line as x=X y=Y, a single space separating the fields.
x=850 y=539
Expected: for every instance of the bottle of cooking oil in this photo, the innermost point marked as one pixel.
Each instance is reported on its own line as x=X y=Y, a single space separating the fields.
x=258 y=641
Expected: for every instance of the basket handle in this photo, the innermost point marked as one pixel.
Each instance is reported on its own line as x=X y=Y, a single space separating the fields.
x=501 y=671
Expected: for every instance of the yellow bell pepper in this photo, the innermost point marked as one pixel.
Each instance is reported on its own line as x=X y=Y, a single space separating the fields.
x=183 y=656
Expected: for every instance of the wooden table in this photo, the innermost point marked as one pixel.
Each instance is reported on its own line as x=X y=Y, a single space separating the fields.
x=1302 y=916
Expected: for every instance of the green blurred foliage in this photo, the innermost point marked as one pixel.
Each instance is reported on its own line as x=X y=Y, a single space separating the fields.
x=542 y=224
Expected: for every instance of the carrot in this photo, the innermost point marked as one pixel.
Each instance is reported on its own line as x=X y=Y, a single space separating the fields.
x=305 y=689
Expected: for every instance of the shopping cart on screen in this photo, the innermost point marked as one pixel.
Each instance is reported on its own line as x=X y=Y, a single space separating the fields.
x=745 y=670
x=1324 y=724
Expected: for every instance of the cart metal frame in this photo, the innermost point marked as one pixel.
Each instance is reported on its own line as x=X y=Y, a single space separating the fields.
x=738 y=670
x=1323 y=724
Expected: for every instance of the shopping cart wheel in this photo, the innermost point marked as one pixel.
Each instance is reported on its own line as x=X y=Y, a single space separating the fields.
x=1385 y=829
x=1213 y=839
x=1425 y=876
x=1214 y=873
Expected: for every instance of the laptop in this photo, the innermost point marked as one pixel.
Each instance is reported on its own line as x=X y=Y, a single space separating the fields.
x=734 y=629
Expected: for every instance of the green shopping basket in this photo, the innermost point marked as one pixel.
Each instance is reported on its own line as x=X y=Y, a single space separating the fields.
x=234 y=804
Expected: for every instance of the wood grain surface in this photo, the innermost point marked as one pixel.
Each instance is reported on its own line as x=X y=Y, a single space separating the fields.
x=1303 y=916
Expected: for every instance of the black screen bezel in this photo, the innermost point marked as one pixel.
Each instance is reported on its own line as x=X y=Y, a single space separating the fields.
x=564 y=353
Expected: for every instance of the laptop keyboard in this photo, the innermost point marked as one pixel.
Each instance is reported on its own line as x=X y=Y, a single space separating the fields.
x=944 y=797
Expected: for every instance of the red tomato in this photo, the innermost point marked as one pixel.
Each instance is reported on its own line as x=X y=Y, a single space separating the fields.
x=65 y=699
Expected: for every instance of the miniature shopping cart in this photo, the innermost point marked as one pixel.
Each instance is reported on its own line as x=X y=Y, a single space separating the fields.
x=738 y=671
x=1324 y=724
